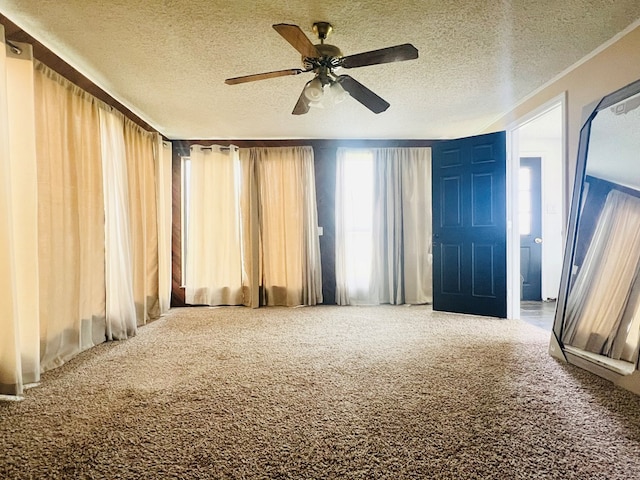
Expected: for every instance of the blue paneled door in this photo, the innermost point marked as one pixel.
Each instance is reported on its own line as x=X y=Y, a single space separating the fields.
x=469 y=225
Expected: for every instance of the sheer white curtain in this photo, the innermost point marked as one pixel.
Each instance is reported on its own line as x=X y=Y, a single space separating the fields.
x=291 y=268
x=354 y=226
x=214 y=267
x=400 y=234
x=603 y=298
x=19 y=308
x=622 y=343
x=120 y=310
x=163 y=193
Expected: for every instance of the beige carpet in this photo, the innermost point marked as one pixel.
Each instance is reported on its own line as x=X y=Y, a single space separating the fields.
x=322 y=392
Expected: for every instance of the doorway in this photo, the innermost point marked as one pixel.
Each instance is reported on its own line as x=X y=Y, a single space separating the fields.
x=539 y=136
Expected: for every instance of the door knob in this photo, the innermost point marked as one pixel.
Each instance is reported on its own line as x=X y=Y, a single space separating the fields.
x=538 y=240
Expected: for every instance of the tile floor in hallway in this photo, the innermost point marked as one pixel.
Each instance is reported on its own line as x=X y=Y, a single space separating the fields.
x=539 y=314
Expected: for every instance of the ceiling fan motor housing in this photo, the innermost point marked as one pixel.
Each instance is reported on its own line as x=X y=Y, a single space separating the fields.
x=326 y=50
x=327 y=60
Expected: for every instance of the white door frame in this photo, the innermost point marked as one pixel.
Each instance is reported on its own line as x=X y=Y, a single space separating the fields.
x=513 y=167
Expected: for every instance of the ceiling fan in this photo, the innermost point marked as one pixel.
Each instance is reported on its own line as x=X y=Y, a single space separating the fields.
x=323 y=59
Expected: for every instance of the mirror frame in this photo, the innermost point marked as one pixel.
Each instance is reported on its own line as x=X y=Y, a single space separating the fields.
x=556 y=347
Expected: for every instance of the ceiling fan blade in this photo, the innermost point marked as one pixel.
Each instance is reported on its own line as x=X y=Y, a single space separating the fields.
x=263 y=76
x=296 y=37
x=302 y=106
x=362 y=94
x=398 y=53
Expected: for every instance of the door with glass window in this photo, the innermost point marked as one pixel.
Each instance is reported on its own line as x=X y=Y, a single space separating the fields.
x=530 y=225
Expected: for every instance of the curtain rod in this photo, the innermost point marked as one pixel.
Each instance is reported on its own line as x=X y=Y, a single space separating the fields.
x=14 y=48
x=218 y=146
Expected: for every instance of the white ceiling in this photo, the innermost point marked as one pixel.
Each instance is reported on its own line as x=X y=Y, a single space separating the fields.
x=167 y=59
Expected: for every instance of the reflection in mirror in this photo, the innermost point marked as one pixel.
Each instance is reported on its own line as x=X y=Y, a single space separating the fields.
x=602 y=314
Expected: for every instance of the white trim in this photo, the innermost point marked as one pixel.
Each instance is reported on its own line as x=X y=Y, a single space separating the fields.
x=565 y=72
x=539 y=111
x=11 y=398
x=513 y=237
x=513 y=165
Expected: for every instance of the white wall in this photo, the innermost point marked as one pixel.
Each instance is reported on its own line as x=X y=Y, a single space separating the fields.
x=609 y=69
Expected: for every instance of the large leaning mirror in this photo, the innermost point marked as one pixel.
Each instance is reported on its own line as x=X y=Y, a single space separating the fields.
x=597 y=323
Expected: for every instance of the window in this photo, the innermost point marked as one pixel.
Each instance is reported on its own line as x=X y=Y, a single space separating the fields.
x=357 y=195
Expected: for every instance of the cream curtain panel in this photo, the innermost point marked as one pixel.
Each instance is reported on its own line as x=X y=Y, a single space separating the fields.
x=400 y=235
x=19 y=338
x=252 y=236
x=11 y=374
x=214 y=263
x=602 y=308
x=140 y=158
x=291 y=268
x=71 y=219
x=250 y=227
x=60 y=217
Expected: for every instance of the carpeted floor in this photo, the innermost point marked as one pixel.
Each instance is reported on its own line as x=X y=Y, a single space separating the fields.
x=322 y=392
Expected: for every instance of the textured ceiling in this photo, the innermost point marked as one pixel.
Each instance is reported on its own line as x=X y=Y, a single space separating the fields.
x=167 y=59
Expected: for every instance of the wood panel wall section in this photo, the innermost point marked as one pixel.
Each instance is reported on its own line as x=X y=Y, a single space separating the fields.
x=55 y=63
x=324 y=152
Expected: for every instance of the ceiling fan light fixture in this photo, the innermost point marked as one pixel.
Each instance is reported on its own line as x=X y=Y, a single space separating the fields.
x=313 y=90
x=323 y=94
x=318 y=104
x=337 y=93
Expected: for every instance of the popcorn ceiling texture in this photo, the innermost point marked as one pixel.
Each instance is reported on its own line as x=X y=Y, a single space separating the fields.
x=167 y=60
